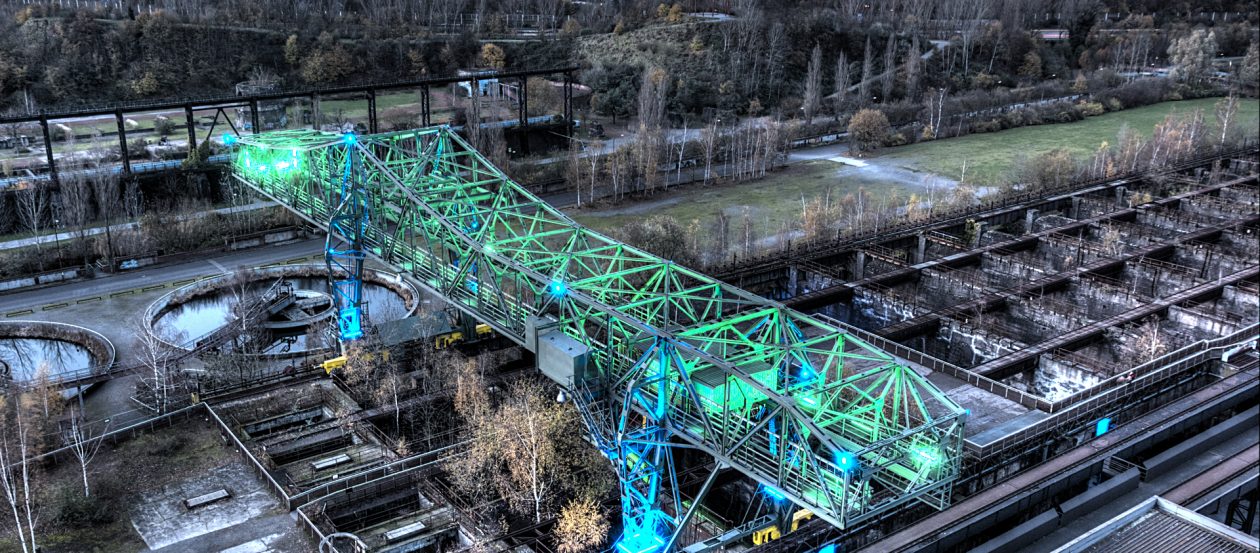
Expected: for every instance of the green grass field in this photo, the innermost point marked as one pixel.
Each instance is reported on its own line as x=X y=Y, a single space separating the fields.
x=990 y=156
x=771 y=202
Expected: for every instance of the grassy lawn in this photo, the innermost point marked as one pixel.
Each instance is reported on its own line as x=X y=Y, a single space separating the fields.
x=353 y=109
x=990 y=156
x=121 y=473
x=771 y=202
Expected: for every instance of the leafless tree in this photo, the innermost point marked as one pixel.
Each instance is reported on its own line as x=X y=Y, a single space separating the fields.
x=83 y=444
x=935 y=109
x=1226 y=109
x=76 y=208
x=32 y=208
x=15 y=473
x=889 y=76
x=813 y=85
x=653 y=93
x=391 y=387
x=1148 y=344
x=158 y=358
x=597 y=149
x=682 y=148
x=968 y=16
x=912 y=70
x=709 y=141
x=841 y=94
x=864 y=86
x=105 y=189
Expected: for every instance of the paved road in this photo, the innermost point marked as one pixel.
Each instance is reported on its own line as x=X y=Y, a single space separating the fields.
x=130 y=280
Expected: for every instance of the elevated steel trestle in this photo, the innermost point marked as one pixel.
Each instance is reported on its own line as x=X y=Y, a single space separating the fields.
x=657 y=356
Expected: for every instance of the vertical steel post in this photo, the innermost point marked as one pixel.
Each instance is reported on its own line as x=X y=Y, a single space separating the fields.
x=524 y=103
x=122 y=143
x=426 y=118
x=372 y=125
x=48 y=151
x=253 y=115
x=192 y=127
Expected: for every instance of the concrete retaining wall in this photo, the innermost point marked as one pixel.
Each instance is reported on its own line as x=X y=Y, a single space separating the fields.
x=46 y=278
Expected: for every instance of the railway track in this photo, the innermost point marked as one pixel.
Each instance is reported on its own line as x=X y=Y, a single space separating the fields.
x=1215 y=478
x=1095 y=451
x=921 y=535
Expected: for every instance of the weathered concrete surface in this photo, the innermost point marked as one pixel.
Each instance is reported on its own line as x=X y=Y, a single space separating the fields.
x=165 y=524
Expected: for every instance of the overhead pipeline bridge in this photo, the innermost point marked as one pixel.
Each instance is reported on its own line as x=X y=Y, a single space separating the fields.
x=657 y=357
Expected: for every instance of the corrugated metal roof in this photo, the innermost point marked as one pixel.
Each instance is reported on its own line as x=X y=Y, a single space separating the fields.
x=1161 y=526
x=1158 y=531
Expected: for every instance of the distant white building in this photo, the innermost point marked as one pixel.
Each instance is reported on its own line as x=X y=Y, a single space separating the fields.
x=487 y=86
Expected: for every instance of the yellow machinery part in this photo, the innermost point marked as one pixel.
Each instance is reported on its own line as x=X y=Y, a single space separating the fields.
x=772 y=533
x=766 y=535
x=800 y=515
x=334 y=364
x=444 y=341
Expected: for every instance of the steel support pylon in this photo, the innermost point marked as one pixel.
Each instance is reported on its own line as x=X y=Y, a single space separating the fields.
x=344 y=252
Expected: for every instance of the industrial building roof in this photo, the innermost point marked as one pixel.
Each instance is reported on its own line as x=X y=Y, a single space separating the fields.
x=1158 y=526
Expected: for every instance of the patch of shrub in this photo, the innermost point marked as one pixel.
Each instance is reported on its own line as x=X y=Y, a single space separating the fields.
x=990 y=125
x=1090 y=109
x=1013 y=119
x=160 y=445
x=71 y=509
x=163 y=126
x=1142 y=92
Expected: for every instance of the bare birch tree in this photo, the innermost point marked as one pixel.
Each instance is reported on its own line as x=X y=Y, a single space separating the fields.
x=709 y=142
x=15 y=473
x=158 y=358
x=1226 y=108
x=83 y=444
x=32 y=208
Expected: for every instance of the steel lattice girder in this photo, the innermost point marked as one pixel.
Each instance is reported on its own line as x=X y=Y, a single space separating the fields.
x=835 y=424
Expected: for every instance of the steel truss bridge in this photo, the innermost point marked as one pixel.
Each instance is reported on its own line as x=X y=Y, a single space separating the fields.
x=657 y=357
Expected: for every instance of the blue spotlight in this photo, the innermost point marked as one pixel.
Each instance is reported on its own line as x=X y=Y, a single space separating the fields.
x=846 y=461
x=229 y=139
x=773 y=494
x=349 y=138
x=557 y=288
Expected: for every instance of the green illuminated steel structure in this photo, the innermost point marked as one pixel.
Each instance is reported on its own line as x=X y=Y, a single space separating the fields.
x=657 y=356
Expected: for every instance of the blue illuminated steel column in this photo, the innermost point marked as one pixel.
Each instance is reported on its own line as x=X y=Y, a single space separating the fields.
x=344 y=251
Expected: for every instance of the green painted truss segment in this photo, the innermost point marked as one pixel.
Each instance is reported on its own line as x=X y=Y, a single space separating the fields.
x=834 y=424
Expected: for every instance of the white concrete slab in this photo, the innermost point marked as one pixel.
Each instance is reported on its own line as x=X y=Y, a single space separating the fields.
x=848 y=161
x=260 y=545
x=161 y=518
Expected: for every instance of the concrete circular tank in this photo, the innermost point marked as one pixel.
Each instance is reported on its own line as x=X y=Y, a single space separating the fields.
x=193 y=313
x=64 y=350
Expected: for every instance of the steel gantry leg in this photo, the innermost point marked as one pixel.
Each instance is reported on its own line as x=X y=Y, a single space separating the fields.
x=644 y=458
x=344 y=250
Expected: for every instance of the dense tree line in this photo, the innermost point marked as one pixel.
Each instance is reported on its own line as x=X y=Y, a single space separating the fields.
x=753 y=62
